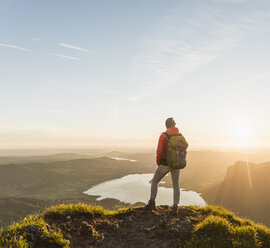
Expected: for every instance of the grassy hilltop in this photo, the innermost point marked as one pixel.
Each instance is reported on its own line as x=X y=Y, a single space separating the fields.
x=81 y=225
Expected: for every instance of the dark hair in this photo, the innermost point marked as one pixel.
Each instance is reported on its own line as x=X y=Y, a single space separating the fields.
x=170 y=122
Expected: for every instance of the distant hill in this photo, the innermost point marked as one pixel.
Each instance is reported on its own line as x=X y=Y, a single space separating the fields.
x=83 y=225
x=41 y=159
x=63 y=179
x=245 y=190
x=58 y=176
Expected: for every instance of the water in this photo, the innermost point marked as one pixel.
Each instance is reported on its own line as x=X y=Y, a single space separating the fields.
x=124 y=159
x=136 y=188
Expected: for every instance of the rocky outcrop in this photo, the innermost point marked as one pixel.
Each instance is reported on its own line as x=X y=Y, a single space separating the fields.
x=244 y=190
x=82 y=225
x=136 y=228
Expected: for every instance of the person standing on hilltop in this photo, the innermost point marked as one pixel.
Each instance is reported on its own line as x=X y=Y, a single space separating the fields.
x=171 y=146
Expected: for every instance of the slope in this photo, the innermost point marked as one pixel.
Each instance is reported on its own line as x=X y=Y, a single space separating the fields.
x=245 y=190
x=83 y=225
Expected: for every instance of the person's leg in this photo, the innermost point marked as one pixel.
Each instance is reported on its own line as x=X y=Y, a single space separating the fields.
x=176 y=189
x=161 y=171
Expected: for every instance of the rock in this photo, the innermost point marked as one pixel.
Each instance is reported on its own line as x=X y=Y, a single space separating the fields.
x=186 y=227
x=68 y=236
x=33 y=234
x=19 y=237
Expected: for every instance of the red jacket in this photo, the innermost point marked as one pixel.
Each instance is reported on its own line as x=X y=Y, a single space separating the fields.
x=163 y=144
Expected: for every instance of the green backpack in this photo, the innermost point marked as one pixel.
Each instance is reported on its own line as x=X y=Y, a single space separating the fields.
x=176 y=154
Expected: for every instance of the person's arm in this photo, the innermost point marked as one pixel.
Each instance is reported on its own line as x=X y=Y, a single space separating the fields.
x=160 y=148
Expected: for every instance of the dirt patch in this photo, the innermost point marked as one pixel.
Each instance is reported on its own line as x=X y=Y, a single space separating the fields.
x=135 y=228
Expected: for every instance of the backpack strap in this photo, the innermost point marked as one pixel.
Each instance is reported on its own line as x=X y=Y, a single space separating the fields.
x=166 y=135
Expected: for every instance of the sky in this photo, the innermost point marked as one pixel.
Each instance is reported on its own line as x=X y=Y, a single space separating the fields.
x=109 y=73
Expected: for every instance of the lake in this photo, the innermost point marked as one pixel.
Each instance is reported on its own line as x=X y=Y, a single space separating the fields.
x=136 y=188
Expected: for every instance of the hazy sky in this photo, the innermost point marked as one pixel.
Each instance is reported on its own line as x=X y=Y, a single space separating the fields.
x=110 y=72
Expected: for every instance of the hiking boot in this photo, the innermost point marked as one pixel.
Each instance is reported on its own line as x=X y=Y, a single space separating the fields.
x=175 y=209
x=151 y=205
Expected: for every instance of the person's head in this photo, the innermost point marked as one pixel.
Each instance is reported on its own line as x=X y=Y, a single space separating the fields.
x=170 y=122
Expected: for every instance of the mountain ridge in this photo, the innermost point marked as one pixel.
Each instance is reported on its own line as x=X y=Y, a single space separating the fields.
x=81 y=225
x=244 y=190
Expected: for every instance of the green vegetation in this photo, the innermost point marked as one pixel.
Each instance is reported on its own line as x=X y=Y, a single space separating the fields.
x=223 y=229
x=216 y=231
x=61 y=180
x=210 y=227
x=17 y=236
x=71 y=209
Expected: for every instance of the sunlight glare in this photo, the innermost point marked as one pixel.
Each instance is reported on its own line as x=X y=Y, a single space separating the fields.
x=243 y=132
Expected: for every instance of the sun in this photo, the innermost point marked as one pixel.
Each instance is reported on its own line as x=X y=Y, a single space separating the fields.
x=242 y=132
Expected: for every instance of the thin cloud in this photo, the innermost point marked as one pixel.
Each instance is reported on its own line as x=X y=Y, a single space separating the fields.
x=14 y=47
x=73 y=47
x=182 y=43
x=37 y=39
x=63 y=56
x=255 y=79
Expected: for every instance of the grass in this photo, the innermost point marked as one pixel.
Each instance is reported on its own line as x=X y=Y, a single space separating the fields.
x=62 y=210
x=221 y=228
x=71 y=209
x=215 y=227
x=15 y=236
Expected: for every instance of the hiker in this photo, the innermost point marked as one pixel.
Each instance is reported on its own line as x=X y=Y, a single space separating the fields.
x=164 y=159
